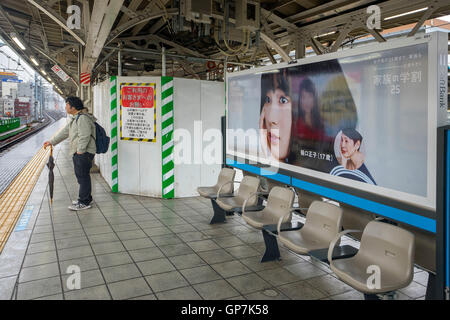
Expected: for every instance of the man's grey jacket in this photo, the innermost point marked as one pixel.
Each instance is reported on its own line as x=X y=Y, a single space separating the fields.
x=81 y=133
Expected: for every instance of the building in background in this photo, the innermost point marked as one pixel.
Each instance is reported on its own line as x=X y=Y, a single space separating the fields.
x=9 y=84
x=25 y=89
x=8 y=107
x=22 y=107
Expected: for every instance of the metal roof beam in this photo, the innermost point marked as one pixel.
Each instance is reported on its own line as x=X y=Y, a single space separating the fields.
x=307 y=3
x=269 y=54
x=152 y=38
x=97 y=40
x=98 y=12
x=359 y=17
x=318 y=47
x=376 y=34
x=45 y=8
x=142 y=16
x=328 y=6
x=61 y=50
x=157 y=25
x=267 y=36
x=150 y=6
x=105 y=58
x=49 y=57
x=343 y=33
x=424 y=17
x=28 y=48
x=133 y=6
x=278 y=20
x=270 y=42
x=86 y=18
x=37 y=16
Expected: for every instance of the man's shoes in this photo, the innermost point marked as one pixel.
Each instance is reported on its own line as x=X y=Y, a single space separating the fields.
x=79 y=206
x=75 y=202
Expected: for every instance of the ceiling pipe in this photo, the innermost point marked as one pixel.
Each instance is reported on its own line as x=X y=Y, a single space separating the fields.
x=151 y=52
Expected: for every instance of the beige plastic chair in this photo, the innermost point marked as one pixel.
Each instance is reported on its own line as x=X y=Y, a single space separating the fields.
x=249 y=185
x=382 y=245
x=355 y=219
x=425 y=253
x=323 y=223
x=279 y=205
x=425 y=257
x=305 y=199
x=226 y=175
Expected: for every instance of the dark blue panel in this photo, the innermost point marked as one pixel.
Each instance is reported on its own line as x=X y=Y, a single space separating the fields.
x=260 y=171
x=368 y=205
x=378 y=208
x=447 y=208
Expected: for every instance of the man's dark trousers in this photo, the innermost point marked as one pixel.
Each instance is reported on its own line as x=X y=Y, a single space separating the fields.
x=82 y=164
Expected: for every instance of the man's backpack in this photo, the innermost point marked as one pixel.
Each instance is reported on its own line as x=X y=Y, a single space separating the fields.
x=101 y=139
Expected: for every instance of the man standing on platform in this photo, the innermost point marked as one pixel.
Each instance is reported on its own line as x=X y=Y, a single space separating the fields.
x=81 y=133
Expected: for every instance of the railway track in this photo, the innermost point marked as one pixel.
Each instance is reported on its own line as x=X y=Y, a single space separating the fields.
x=49 y=119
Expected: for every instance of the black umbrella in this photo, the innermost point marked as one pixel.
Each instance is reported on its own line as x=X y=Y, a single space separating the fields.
x=51 y=176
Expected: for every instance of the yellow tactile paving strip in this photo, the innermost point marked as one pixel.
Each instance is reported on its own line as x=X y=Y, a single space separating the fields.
x=14 y=198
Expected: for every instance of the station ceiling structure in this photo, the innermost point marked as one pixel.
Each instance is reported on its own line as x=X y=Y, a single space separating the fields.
x=196 y=36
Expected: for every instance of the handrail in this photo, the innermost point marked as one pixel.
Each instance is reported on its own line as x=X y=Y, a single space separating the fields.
x=280 y=220
x=335 y=240
x=259 y=193
x=223 y=185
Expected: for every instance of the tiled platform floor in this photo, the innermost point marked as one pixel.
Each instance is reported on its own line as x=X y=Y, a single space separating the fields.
x=132 y=247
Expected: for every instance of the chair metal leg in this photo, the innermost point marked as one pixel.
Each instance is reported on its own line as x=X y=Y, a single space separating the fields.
x=272 y=252
x=431 y=288
x=371 y=297
x=391 y=295
x=219 y=213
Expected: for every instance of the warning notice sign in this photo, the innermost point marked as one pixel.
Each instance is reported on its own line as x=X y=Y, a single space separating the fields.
x=137 y=112
x=60 y=72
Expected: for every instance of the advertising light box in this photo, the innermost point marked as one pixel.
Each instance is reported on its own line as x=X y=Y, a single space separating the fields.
x=364 y=118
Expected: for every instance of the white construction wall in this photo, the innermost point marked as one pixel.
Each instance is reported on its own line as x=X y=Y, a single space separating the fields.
x=102 y=111
x=139 y=163
x=202 y=102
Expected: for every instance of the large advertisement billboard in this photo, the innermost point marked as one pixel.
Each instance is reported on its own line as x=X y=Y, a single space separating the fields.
x=361 y=121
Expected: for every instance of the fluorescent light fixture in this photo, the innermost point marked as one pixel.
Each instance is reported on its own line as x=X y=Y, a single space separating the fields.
x=406 y=13
x=270 y=71
x=34 y=61
x=17 y=41
x=325 y=34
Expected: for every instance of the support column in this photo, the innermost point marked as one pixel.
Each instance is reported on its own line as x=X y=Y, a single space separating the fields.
x=163 y=57
x=119 y=63
x=114 y=154
x=35 y=95
x=225 y=70
x=300 y=49
x=167 y=144
x=80 y=92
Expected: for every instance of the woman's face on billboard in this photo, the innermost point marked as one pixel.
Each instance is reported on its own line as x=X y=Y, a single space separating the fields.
x=306 y=101
x=348 y=146
x=278 y=119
